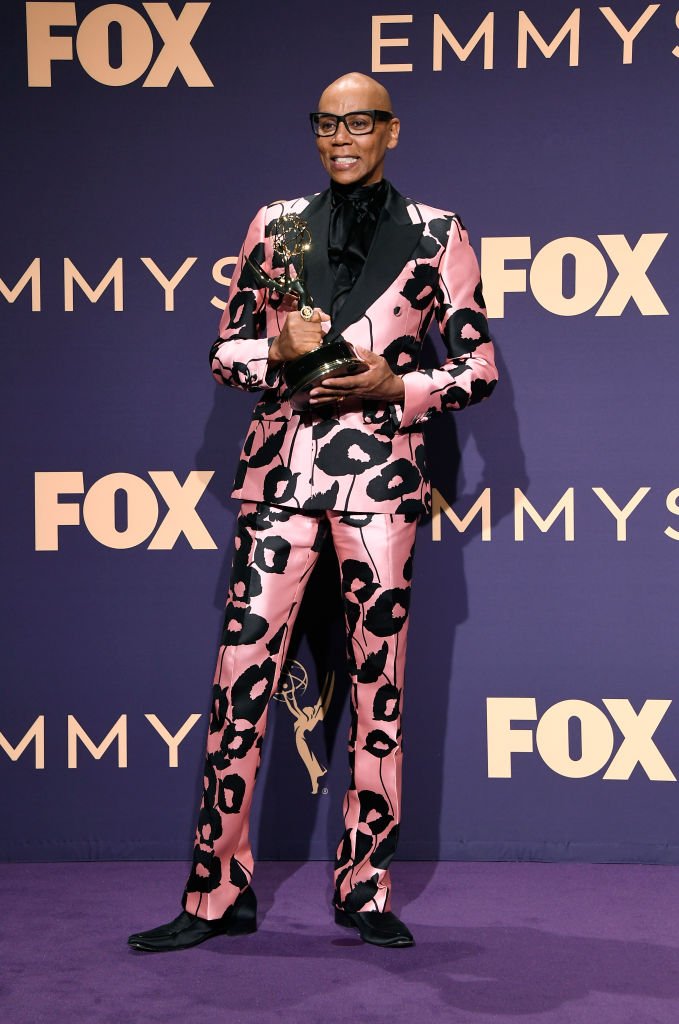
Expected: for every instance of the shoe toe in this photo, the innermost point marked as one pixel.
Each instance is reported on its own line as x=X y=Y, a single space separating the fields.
x=381 y=928
x=389 y=925
x=163 y=932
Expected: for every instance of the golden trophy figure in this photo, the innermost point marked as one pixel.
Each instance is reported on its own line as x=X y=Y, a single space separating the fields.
x=291 y=239
x=306 y=717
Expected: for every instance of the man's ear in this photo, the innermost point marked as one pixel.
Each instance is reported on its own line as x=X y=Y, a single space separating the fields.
x=394 y=130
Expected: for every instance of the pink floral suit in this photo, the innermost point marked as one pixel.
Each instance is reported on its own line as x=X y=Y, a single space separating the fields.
x=358 y=474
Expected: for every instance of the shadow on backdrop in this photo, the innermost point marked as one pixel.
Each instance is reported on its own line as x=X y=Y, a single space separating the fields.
x=440 y=599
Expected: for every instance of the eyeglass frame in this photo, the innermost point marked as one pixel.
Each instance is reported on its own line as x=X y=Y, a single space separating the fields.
x=377 y=115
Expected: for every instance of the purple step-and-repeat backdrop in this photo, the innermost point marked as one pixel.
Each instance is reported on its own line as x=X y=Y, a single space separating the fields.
x=139 y=140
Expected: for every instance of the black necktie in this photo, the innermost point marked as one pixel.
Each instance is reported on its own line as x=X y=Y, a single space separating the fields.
x=354 y=214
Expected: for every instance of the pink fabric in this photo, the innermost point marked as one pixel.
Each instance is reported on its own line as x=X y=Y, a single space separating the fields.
x=275 y=551
x=292 y=459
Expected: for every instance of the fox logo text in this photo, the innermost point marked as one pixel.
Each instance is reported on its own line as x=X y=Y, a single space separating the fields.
x=575 y=738
x=122 y=510
x=570 y=276
x=137 y=51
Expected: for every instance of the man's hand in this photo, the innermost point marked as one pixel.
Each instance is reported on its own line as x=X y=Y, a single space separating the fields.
x=297 y=337
x=376 y=381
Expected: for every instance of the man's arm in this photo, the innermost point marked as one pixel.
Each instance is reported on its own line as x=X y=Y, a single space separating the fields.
x=469 y=374
x=240 y=355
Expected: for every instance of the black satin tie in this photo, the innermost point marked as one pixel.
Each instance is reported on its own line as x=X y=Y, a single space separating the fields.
x=354 y=213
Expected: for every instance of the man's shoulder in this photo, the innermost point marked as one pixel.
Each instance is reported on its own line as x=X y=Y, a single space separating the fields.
x=280 y=206
x=420 y=211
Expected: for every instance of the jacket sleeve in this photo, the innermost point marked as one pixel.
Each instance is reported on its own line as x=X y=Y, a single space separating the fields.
x=239 y=355
x=469 y=374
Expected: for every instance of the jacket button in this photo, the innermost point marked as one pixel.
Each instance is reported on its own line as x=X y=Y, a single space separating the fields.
x=397 y=310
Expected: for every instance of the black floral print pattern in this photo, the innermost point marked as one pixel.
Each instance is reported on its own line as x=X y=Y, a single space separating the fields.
x=343 y=461
x=274 y=552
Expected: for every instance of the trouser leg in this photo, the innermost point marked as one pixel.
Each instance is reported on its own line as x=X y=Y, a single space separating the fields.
x=275 y=552
x=375 y=554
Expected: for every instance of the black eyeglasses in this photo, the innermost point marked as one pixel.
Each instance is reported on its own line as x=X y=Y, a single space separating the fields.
x=357 y=122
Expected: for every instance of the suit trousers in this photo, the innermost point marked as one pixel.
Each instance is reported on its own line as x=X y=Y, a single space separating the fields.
x=275 y=552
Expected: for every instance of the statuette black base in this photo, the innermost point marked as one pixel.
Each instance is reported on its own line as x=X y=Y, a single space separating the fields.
x=334 y=359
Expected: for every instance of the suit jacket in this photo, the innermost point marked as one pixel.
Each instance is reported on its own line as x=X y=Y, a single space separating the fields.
x=370 y=456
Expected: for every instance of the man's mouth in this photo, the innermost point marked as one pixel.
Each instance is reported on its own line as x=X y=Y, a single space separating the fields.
x=344 y=161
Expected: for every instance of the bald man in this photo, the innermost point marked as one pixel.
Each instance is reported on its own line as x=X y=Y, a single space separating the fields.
x=352 y=468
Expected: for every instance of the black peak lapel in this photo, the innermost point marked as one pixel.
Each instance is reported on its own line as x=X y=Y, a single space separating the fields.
x=395 y=238
x=317 y=273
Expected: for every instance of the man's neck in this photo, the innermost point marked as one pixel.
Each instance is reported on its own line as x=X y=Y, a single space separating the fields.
x=357 y=187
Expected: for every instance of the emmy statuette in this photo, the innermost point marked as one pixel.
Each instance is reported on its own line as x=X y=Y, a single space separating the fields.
x=291 y=238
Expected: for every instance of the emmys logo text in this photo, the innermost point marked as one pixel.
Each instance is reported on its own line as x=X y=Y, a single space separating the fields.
x=575 y=738
x=529 y=519
x=392 y=35
x=80 y=741
x=77 y=287
x=137 y=53
x=121 y=510
x=81 y=745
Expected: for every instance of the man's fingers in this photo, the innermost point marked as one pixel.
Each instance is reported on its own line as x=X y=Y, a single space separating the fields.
x=318 y=315
x=338 y=387
x=350 y=382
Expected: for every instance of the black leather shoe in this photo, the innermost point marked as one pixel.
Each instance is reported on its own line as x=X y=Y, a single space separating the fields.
x=379 y=928
x=188 y=930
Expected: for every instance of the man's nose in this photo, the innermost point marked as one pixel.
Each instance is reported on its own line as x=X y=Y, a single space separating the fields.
x=341 y=136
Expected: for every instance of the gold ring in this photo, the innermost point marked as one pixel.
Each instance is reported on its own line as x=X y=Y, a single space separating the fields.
x=306 y=312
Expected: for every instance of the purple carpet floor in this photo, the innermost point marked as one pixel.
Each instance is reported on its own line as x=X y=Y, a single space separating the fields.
x=548 y=943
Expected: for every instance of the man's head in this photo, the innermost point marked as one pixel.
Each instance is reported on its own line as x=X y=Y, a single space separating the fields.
x=356 y=159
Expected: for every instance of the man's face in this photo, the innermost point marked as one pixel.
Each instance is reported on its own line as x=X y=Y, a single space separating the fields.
x=355 y=159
